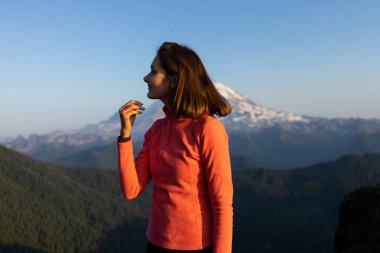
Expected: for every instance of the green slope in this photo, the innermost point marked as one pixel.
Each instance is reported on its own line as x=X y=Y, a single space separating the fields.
x=297 y=210
x=42 y=207
x=45 y=208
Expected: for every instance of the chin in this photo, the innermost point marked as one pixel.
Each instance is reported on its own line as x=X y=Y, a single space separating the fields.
x=149 y=96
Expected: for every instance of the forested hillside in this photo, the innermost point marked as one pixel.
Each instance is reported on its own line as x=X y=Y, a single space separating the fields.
x=47 y=208
x=44 y=208
x=297 y=210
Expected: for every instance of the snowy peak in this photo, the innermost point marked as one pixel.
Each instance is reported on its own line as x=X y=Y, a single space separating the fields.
x=228 y=93
x=246 y=113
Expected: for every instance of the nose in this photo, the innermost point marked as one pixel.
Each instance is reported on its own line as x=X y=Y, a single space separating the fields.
x=146 y=78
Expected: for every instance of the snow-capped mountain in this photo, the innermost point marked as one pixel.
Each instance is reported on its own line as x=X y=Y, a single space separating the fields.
x=273 y=138
x=246 y=115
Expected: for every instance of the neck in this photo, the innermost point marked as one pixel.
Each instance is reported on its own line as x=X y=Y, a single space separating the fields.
x=165 y=100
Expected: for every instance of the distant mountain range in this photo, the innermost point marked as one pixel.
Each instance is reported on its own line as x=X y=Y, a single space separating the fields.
x=47 y=208
x=272 y=138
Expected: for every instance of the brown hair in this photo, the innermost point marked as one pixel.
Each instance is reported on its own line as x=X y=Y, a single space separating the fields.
x=194 y=93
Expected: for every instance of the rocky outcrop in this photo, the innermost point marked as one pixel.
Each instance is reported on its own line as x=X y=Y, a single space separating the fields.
x=359 y=222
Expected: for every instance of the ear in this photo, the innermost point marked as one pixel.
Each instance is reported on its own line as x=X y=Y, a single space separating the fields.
x=173 y=80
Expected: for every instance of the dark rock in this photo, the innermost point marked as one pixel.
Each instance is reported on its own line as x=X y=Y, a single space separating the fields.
x=359 y=224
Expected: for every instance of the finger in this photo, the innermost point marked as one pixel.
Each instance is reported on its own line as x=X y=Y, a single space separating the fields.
x=128 y=113
x=132 y=107
x=131 y=104
x=134 y=102
x=127 y=107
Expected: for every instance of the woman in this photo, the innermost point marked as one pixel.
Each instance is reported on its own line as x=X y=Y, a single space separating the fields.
x=186 y=154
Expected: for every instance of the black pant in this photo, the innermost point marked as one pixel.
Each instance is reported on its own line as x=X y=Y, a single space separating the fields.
x=152 y=248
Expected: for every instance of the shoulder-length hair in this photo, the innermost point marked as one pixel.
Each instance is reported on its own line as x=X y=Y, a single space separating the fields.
x=194 y=94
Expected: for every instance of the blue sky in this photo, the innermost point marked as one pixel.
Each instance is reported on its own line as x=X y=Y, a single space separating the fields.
x=68 y=63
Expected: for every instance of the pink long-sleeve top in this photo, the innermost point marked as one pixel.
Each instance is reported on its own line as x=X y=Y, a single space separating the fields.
x=190 y=165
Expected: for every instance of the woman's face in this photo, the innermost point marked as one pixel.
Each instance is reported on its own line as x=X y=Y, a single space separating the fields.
x=158 y=83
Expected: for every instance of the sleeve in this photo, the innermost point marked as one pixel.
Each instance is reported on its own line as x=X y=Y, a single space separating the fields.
x=121 y=139
x=216 y=161
x=134 y=174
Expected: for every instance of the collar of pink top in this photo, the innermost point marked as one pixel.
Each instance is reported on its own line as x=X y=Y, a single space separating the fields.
x=170 y=114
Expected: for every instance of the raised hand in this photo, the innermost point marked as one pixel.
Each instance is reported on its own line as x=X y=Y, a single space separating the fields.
x=127 y=114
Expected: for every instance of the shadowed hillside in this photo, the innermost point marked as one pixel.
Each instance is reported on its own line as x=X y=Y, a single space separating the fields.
x=296 y=210
x=359 y=223
x=48 y=208
x=44 y=208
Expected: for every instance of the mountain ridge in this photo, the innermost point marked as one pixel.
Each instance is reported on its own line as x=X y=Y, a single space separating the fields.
x=273 y=138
